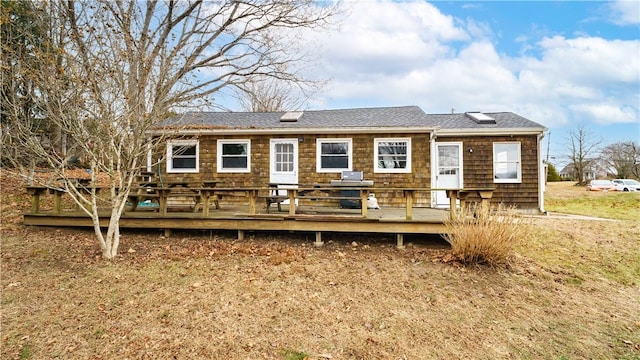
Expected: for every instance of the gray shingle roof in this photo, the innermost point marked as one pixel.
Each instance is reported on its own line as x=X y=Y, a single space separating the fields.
x=383 y=117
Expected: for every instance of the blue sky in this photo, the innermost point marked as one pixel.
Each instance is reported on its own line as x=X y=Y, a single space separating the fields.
x=559 y=63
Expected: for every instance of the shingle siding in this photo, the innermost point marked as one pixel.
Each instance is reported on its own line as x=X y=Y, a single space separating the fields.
x=478 y=168
x=379 y=123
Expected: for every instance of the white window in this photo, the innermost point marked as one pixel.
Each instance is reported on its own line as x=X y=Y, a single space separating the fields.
x=392 y=155
x=507 y=167
x=333 y=155
x=234 y=155
x=183 y=156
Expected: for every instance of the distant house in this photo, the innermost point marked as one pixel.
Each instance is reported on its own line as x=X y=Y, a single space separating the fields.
x=593 y=170
x=394 y=147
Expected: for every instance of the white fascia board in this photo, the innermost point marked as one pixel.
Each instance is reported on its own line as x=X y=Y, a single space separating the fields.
x=297 y=131
x=494 y=132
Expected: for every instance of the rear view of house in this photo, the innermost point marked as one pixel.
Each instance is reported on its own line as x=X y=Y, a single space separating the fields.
x=393 y=147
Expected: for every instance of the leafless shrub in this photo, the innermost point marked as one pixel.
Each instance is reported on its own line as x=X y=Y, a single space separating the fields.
x=484 y=234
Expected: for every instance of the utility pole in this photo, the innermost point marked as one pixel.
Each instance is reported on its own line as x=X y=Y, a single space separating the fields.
x=548 y=144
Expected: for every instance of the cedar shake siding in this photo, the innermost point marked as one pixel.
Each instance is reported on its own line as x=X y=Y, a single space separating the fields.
x=474 y=131
x=478 y=168
x=363 y=160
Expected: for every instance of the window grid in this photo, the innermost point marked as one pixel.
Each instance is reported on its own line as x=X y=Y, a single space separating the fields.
x=507 y=162
x=334 y=155
x=448 y=159
x=392 y=155
x=182 y=156
x=234 y=156
x=284 y=157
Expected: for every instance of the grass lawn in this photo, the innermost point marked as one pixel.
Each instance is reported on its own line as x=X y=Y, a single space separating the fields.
x=565 y=197
x=572 y=291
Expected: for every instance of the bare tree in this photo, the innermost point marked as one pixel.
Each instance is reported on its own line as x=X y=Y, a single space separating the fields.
x=622 y=159
x=123 y=66
x=270 y=95
x=26 y=50
x=263 y=96
x=582 y=150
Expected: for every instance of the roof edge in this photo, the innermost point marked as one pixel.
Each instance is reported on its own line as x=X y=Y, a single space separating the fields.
x=494 y=131
x=300 y=131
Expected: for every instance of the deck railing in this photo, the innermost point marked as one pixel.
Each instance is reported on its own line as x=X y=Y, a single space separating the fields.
x=202 y=196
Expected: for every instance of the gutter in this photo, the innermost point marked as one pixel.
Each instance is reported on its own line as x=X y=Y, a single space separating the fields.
x=494 y=131
x=542 y=180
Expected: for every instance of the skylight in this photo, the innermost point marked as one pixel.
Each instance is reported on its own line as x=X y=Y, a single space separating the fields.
x=481 y=118
x=291 y=116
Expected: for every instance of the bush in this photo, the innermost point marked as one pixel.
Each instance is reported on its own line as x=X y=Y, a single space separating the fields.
x=484 y=235
x=552 y=174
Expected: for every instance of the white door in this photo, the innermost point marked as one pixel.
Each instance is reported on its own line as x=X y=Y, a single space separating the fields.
x=448 y=170
x=284 y=162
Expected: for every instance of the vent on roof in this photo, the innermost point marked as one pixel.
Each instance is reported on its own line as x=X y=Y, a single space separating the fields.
x=291 y=116
x=480 y=118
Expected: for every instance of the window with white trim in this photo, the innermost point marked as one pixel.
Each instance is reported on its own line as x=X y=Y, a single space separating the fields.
x=333 y=155
x=392 y=155
x=234 y=155
x=507 y=167
x=183 y=156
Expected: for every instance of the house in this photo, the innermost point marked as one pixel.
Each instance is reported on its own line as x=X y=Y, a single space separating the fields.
x=394 y=147
x=593 y=170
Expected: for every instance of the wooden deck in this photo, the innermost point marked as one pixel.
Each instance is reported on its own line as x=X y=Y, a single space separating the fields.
x=307 y=219
x=314 y=213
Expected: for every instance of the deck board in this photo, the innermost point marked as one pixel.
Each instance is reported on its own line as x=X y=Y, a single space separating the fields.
x=229 y=217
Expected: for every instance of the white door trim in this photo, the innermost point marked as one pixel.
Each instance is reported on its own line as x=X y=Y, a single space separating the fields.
x=290 y=177
x=435 y=172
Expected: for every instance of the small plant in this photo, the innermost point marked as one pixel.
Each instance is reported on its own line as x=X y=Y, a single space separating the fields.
x=295 y=355
x=484 y=234
x=25 y=352
x=164 y=315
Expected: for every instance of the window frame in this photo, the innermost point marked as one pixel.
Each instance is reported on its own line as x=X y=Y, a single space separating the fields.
x=321 y=141
x=171 y=144
x=220 y=155
x=518 y=178
x=376 y=147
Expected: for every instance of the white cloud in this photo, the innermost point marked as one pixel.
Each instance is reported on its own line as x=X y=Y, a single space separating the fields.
x=388 y=37
x=625 y=12
x=409 y=53
x=605 y=113
x=591 y=59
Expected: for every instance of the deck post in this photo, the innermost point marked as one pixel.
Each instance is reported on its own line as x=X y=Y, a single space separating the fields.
x=292 y=193
x=364 y=195
x=57 y=201
x=318 y=239
x=452 y=194
x=400 y=241
x=163 y=201
x=167 y=233
x=485 y=197
x=204 y=202
x=35 y=202
x=408 y=194
x=253 y=196
x=240 y=235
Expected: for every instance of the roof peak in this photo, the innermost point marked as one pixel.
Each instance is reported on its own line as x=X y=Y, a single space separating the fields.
x=308 y=110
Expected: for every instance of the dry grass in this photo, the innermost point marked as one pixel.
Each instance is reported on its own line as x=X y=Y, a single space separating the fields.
x=572 y=292
x=485 y=235
x=565 y=197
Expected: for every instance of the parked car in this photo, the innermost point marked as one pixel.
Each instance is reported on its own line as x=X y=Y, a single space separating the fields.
x=626 y=185
x=601 y=185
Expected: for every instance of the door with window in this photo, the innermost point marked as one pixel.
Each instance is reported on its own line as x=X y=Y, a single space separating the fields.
x=448 y=170
x=284 y=162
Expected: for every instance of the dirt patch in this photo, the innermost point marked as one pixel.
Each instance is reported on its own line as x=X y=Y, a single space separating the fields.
x=572 y=292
